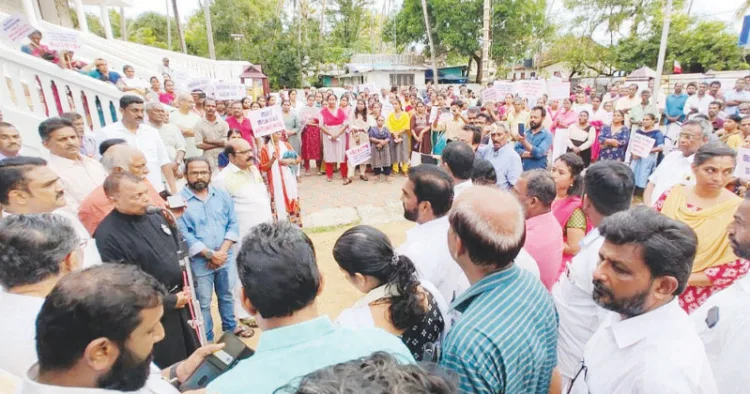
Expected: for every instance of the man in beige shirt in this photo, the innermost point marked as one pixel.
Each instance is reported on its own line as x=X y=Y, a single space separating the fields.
x=186 y=119
x=170 y=134
x=79 y=174
x=452 y=126
x=519 y=116
x=210 y=134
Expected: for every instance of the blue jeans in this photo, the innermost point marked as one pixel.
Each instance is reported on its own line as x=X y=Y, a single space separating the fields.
x=222 y=280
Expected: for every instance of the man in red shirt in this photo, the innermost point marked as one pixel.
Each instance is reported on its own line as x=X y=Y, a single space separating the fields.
x=238 y=121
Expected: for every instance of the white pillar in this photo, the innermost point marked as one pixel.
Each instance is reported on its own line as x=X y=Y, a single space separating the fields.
x=28 y=9
x=83 y=24
x=106 y=23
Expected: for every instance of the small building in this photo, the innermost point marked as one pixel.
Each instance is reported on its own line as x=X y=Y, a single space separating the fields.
x=378 y=70
x=450 y=75
x=255 y=81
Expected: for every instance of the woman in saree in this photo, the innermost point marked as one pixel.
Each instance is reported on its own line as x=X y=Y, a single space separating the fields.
x=708 y=208
x=567 y=207
x=643 y=167
x=246 y=103
x=292 y=126
x=359 y=136
x=613 y=140
x=398 y=123
x=334 y=125
x=310 y=139
x=581 y=137
x=420 y=129
x=282 y=184
x=565 y=116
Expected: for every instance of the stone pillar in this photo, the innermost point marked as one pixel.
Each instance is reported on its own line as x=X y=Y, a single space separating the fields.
x=106 y=23
x=83 y=24
x=30 y=12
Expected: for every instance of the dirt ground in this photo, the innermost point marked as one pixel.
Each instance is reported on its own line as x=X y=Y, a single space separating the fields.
x=338 y=294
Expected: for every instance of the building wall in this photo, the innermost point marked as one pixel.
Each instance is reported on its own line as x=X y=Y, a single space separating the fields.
x=52 y=11
x=383 y=78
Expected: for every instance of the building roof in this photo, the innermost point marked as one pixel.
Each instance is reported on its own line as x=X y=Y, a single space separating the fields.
x=254 y=72
x=357 y=68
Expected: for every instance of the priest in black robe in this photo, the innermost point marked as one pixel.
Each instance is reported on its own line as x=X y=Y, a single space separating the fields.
x=128 y=235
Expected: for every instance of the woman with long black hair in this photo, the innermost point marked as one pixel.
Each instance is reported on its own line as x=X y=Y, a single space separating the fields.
x=396 y=300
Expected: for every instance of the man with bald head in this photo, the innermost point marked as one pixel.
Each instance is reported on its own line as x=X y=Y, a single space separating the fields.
x=505 y=340
x=119 y=158
x=186 y=119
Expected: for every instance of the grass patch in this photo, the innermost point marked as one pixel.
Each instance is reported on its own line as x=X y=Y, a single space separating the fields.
x=325 y=229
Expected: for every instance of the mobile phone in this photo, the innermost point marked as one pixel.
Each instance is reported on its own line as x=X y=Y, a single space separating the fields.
x=521 y=129
x=218 y=363
x=713 y=317
x=175 y=202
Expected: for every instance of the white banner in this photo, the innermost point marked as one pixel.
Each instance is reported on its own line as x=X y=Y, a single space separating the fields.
x=16 y=28
x=503 y=88
x=743 y=163
x=228 y=91
x=358 y=155
x=560 y=143
x=200 y=83
x=490 y=95
x=641 y=145
x=62 y=41
x=558 y=90
x=266 y=121
x=532 y=90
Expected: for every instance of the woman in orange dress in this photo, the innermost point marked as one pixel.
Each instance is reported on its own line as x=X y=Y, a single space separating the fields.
x=282 y=184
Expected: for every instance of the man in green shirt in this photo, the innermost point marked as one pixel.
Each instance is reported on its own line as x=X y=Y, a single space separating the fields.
x=643 y=108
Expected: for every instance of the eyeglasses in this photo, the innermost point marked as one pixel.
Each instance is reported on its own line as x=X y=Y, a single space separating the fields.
x=582 y=370
x=688 y=136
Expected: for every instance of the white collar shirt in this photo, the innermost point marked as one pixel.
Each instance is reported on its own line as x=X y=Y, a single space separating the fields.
x=18 y=331
x=578 y=314
x=674 y=170
x=459 y=188
x=699 y=103
x=727 y=343
x=78 y=177
x=154 y=385
x=148 y=140
x=250 y=195
x=656 y=352
x=427 y=246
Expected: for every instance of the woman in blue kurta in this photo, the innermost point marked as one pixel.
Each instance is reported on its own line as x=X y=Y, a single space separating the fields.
x=644 y=166
x=613 y=140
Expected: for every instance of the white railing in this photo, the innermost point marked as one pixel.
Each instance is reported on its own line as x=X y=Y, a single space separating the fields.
x=33 y=89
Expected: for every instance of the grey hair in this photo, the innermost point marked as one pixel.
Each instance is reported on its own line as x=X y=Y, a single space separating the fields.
x=540 y=184
x=153 y=105
x=33 y=246
x=118 y=156
x=705 y=126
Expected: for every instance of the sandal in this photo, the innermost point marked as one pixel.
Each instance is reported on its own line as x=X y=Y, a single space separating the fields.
x=364 y=178
x=347 y=181
x=244 y=332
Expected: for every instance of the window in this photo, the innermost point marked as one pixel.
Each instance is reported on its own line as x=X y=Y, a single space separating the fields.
x=402 y=79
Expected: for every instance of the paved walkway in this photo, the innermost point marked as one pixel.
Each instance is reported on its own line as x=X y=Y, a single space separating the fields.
x=327 y=204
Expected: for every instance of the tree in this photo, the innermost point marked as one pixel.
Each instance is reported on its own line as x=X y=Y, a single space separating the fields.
x=581 y=54
x=428 y=29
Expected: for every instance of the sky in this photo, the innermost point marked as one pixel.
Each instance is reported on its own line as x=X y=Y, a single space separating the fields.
x=724 y=10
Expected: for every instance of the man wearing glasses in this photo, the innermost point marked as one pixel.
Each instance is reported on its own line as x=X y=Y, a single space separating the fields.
x=676 y=166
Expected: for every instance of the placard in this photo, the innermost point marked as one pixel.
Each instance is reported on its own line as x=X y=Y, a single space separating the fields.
x=358 y=155
x=433 y=113
x=743 y=163
x=559 y=143
x=200 y=83
x=503 y=87
x=558 y=90
x=641 y=145
x=532 y=90
x=307 y=113
x=386 y=108
x=16 y=28
x=490 y=95
x=266 y=121
x=62 y=41
x=228 y=91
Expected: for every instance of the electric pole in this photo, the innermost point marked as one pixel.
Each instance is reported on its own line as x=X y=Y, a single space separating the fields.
x=179 y=26
x=429 y=39
x=662 y=50
x=485 y=75
x=209 y=29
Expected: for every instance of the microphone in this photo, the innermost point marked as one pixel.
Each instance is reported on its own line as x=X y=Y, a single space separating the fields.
x=152 y=209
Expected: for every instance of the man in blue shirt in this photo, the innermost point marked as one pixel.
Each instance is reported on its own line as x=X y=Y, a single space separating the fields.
x=102 y=73
x=506 y=338
x=675 y=108
x=210 y=228
x=281 y=281
x=504 y=159
x=535 y=143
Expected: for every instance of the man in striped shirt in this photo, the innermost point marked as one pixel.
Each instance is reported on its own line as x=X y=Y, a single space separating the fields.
x=505 y=340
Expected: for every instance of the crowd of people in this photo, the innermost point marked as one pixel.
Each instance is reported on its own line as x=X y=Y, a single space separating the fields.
x=524 y=272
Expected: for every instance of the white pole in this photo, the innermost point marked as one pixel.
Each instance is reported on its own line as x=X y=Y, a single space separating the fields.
x=28 y=8
x=169 y=28
x=105 y=22
x=123 y=25
x=209 y=30
x=83 y=24
x=485 y=76
x=662 y=51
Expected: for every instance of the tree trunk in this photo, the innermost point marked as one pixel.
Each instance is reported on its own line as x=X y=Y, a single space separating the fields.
x=209 y=29
x=322 y=16
x=432 y=45
x=468 y=70
x=478 y=60
x=179 y=26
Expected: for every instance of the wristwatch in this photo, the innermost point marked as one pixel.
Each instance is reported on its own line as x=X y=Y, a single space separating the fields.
x=210 y=254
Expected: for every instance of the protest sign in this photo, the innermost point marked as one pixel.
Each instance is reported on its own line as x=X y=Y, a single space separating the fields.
x=15 y=28
x=358 y=155
x=200 y=83
x=560 y=143
x=228 y=91
x=433 y=113
x=386 y=108
x=308 y=113
x=503 y=87
x=641 y=145
x=266 y=121
x=532 y=90
x=558 y=90
x=743 y=163
x=63 y=41
x=490 y=95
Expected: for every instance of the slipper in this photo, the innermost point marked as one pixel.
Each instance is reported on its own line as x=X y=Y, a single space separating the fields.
x=249 y=321
x=364 y=178
x=244 y=332
x=347 y=181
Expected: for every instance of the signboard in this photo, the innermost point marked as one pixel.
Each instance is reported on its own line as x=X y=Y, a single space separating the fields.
x=532 y=90
x=358 y=155
x=560 y=143
x=16 y=28
x=62 y=41
x=641 y=145
x=228 y=91
x=558 y=90
x=200 y=83
x=743 y=163
x=307 y=113
x=503 y=87
x=266 y=121
x=490 y=95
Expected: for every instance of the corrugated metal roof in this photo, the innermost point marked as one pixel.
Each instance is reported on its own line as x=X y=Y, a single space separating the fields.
x=355 y=68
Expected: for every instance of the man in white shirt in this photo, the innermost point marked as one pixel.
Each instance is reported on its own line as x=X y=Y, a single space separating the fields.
x=676 y=167
x=648 y=344
x=736 y=96
x=165 y=69
x=608 y=187
x=613 y=95
x=170 y=135
x=114 y=354
x=427 y=197
x=28 y=186
x=143 y=137
x=37 y=251
x=458 y=160
x=724 y=320
x=186 y=119
x=79 y=174
x=10 y=141
x=698 y=103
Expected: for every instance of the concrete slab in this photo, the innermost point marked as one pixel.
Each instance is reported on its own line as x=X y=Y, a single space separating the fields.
x=330 y=217
x=372 y=214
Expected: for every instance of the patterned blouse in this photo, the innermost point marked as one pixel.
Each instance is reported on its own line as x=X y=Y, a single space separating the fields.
x=427 y=331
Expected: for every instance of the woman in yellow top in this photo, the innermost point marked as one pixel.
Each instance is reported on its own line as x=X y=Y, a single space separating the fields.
x=708 y=208
x=399 y=124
